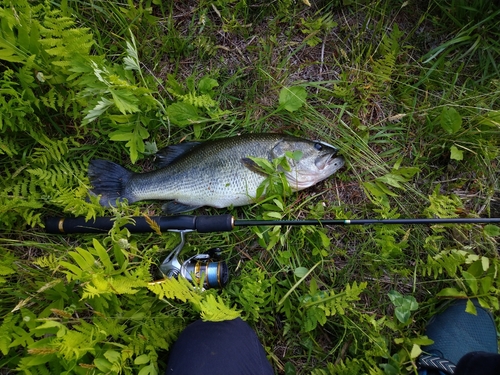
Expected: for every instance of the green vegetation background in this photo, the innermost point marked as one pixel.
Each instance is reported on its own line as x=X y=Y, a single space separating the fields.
x=408 y=90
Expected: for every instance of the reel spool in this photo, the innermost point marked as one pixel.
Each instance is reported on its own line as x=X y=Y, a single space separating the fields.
x=208 y=266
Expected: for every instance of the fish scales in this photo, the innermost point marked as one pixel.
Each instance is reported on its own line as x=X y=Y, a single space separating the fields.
x=213 y=174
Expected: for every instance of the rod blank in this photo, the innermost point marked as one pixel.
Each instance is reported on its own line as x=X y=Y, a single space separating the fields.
x=322 y=222
x=225 y=223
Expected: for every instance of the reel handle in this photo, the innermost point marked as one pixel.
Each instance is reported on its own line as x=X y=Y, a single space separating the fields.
x=200 y=223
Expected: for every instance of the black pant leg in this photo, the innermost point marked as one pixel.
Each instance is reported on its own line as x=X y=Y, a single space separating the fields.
x=216 y=348
x=479 y=363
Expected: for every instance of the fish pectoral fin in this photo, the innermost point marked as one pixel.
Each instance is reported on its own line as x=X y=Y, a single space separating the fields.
x=173 y=207
x=169 y=154
x=253 y=166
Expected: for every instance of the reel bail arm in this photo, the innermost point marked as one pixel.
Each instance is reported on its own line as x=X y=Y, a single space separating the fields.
x=208 y=266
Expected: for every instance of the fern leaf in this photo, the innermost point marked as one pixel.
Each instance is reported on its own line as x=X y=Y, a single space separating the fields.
x=321 y=304
x=177 y=289
x=215 y=310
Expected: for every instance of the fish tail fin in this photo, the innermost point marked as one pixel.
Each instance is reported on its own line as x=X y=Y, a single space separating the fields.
x=109 y=180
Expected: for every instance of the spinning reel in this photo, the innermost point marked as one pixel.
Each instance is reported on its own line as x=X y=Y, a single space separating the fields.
x=207 y=267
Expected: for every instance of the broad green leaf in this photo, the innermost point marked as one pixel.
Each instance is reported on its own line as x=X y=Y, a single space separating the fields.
x=325 y=240
x=407 y=172
x=294 y=155
x=491 y=230
x=142 y=359
x=375 y=189
x=148 y=370
x=410 y=303
x=382 y=186
x=470 y=307
x=450 y=120
x=125 y=101
x=48 y=324
x=392 y=180
x=476 y=268
x=313 y=286
x=292 y=98
x=274 y=215
x=403 y=315
x=415 y=351
x=134 y=137
x=456 y=154
x=300 y=271
x=6 y=270
x=486 y=284
x=451 y=292
x=197 y=128
x=395 y=297
x=83 y=258
x=182 y=114
x=120 y=136
x=471 y=281
x=485 y=262
x=10 y=55
x=102 y=364
x=422 y=340
x=71 y=267
x=103 y=255
x=206 y=85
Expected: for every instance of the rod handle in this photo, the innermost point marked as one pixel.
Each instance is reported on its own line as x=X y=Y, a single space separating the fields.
x=202 y=224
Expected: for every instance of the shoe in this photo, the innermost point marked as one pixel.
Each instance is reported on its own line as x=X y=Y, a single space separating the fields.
x=455 y=333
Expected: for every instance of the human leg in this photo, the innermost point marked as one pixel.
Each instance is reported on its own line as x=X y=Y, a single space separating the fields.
x=210 y=348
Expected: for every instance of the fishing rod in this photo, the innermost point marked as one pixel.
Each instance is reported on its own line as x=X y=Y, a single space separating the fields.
x=209 y=266
x=225 y=223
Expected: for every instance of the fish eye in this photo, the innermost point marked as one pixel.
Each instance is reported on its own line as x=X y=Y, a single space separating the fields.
x=318 y=146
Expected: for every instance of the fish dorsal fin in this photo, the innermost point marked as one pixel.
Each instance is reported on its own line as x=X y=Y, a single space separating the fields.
x=169 y=154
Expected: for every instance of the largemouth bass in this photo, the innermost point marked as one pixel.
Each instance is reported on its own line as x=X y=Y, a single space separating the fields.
x=216 y=173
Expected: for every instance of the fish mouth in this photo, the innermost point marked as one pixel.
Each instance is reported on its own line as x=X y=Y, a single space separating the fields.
x=328 y=161
x=330 y=165
x=334 y=164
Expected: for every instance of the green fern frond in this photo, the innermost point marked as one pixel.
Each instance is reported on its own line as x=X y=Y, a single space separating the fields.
x=447 y=262
x=49 y=261
x=77 y=342
x=214 y=310
x=200 y=101
x=252 y=292
x=52 y=150
x=101 y=285
x=383 y=69
x=60 y=39
x=180 y=289
x=162 y=330
x=320 y=305
x=6 y=332
x=442 y=206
